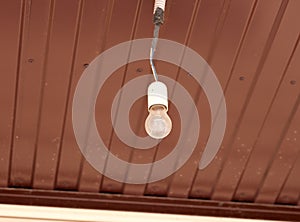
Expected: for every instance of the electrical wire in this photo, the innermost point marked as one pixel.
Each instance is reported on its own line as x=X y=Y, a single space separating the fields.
x=152 y=50
x=158 y=19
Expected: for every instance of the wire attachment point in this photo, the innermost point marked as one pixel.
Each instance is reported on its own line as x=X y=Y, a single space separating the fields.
x=158 y=17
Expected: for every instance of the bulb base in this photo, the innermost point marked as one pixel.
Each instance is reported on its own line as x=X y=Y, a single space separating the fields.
x=157 y=94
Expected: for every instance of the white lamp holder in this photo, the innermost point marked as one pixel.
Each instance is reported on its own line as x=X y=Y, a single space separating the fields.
x=157 y=94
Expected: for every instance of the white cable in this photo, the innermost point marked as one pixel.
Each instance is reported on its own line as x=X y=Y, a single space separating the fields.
x=158 y=20
x=159 y=3
x=152 y=65
x=152 y=50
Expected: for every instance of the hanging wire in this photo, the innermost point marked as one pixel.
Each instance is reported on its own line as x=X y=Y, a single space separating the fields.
x=158 y=20
x=152 y=50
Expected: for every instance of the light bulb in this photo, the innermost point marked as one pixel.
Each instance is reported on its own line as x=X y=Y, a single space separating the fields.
x=158 y=124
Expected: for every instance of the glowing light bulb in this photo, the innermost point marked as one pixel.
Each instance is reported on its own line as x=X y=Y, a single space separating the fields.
x=158 y=124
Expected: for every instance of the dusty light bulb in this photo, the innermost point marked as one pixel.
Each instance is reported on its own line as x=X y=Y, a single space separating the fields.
x=158 y=124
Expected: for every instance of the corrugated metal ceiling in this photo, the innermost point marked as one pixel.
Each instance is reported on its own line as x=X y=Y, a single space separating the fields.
x=252 y=45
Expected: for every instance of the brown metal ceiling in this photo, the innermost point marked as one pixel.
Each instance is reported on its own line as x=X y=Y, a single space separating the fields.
x=252 y=45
